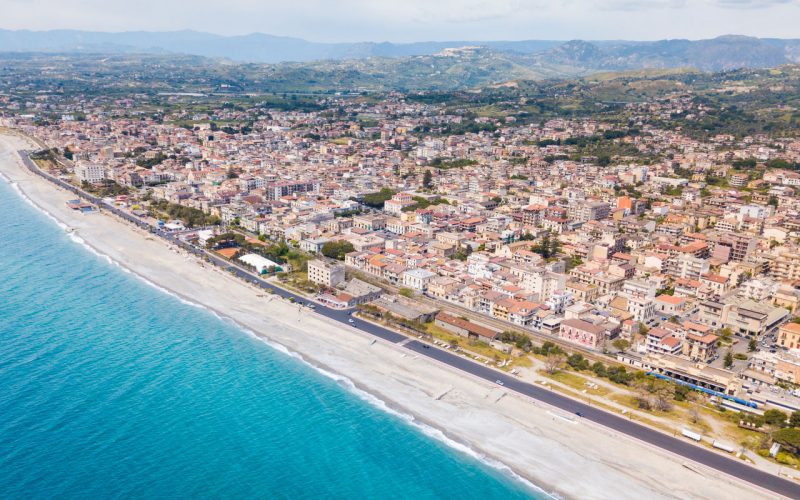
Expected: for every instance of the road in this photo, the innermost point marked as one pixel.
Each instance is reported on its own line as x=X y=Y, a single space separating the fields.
x=678 y=446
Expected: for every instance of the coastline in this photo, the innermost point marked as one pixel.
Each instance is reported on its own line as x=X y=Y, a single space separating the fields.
x=476 y=415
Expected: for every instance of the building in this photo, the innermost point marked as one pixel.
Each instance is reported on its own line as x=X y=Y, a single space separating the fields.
x=582 y=332
x=662 y=341
x=465 y=328
x=369 y=222
x=789 y=336
x=745 y=317
x=678 y=368
x=669 y=305
x=361 y=292
x=405 y=308
x=785 y=266
x=277 y=190
x=702 y=348
x=418 y=279
x=325 y=274
x=261 y=264
x=587 y=211
x=89 y=172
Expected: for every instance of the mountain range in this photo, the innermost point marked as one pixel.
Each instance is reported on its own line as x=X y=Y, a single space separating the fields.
x=722 y=53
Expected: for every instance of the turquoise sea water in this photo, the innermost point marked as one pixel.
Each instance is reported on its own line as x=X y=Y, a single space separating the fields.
x=111 y=388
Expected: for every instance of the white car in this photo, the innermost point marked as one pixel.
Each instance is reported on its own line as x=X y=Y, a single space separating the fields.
x=351 y=320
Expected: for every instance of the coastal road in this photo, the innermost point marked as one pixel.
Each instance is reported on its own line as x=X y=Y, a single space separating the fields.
x=680 y=447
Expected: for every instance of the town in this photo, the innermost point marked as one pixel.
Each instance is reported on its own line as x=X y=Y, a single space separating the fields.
x=578 y=239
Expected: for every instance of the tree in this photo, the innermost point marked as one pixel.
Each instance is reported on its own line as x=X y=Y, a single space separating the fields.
x=548 y=247
x=752 y=345
x=553 y=362
x=427 y=180
x=642 y=395
x=599 y=369
x=578 y=362
x=728 y=359
x=662 y=395
x=654 y=393
x=406 y=292
x=794 y=420
x=788 y=438
x=775 y=417
x=337 y=249
x=621 y=344
x=377 y=199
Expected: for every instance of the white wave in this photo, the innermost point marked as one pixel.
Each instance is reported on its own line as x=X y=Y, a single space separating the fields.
x=428 y=430
x=29 y=201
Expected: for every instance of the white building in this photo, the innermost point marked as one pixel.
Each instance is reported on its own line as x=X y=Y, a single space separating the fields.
x=417 y=279
x=89 y=172
x=261 y=264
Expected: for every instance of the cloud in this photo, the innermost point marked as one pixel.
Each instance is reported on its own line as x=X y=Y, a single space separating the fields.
x=415 y=20
x=636 y=5
x=753 y=4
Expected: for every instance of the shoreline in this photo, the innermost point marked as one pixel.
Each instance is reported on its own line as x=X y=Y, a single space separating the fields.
x=516 y=431
x=379 y=401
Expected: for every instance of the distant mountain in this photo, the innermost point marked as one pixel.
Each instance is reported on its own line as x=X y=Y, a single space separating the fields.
x=718 y=54
x=528 y=57
x=256 y=47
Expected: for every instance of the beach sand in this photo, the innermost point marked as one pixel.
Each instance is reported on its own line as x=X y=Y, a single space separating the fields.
x=572 y=459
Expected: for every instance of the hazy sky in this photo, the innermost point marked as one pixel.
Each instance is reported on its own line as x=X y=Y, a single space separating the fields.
x=416 y=20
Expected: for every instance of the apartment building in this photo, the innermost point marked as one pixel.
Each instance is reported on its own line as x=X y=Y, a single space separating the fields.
x=789 y=336
x=277 y=190
x=785 y=266
x=89 y=172
x=324 y=273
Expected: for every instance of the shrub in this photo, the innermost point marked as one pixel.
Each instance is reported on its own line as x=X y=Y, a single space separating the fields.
x=578 y=362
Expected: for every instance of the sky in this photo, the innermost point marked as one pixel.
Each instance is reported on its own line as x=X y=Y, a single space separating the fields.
x=418 y=20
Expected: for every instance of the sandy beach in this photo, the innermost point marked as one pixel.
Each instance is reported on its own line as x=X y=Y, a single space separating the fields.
x=571 y=459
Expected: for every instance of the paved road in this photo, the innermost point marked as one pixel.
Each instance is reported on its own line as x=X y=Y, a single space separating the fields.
x=678 y=446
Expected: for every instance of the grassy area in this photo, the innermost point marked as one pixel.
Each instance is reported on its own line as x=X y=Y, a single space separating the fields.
x=576 y=382
x=298 y=281
x=478 y=348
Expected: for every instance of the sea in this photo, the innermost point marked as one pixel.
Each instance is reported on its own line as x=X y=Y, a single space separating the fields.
x=112 y=388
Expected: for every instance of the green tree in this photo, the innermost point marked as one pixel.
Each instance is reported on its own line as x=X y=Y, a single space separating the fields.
x=337 y=249
x=406 y=292
x=377 y=199
x=728 y=359
x=794 y=420
x=427 y=180
x=775 y=417
x=788 y=438
x=752 y=345
x=621 y=344
x=578 y=362
x=548 y=247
